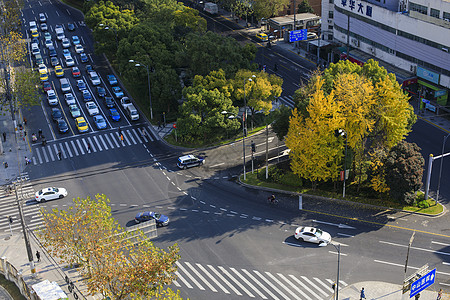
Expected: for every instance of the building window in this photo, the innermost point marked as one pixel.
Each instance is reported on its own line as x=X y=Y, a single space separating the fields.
x=446 y=16
x=330 y=27
x=331 y=1
x=435 y=13
x=419 y=8
x=330 y=15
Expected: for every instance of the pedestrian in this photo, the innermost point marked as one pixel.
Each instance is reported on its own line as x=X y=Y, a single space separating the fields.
x=59 y=154
x=40 y=133
x=38 y=256
x=26 y=160
x=121 y=137
x=4 y=136
x=159 y=124
x=89 y=147
x=439 y=296
x=5 y=164
x=24 y=121
x=143 y=133
x=363 y=295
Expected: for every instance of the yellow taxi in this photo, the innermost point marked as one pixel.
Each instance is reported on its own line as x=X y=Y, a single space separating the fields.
x=262 y=37
x=43 y=77
x=81 y=124
x=59 y=72
x=34 y=33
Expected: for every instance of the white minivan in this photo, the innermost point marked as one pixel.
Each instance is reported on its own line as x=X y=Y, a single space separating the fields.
x=65 y=85
x=132 y=112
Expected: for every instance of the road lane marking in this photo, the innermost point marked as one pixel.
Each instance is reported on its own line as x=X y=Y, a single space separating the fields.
x=248 y=283
x=271 y=285
x=324 y=285
x=439 y=243
x=213 y=279
x=403 y=266
x=295 y=287
x=236 y=282
x=415 y=248
x=201 y=277
x=184 y=280
x=216 y=165
x=224 y=280
x=260 y=284
x=180 y=266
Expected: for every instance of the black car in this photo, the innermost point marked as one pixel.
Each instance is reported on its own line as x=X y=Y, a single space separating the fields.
x=62 y=125
x=109 y=102
x=89 y=68
x=54 y=61
x=71 y=27
x=51 y=51
x=101 y=91
x=56 y=114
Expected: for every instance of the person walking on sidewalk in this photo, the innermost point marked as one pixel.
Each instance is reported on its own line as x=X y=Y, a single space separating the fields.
x=4 y=136
x=38 y=255
x=439 y=295
x=363 y=294
x=59 y=154
x=40 y=133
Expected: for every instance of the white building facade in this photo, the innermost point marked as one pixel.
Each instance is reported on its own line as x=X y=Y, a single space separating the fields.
x=413 y=36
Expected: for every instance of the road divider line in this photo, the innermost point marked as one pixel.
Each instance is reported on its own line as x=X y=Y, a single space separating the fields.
x=415 y=248
x=402 y=266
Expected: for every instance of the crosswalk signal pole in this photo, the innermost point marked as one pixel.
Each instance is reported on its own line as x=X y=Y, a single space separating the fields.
x=25 y=234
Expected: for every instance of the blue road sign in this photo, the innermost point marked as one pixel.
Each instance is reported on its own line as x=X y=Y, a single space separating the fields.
x=298 y=35
x=422 y=283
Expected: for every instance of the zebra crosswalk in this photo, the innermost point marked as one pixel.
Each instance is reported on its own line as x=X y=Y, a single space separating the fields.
x=285 y=100
x=9 y=208
x=81 y=145
x=252 y=283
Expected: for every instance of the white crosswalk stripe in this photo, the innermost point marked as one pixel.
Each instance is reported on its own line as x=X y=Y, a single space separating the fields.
x=255 y=284
x=287 y=100
x=103 y=141
x=8 y=207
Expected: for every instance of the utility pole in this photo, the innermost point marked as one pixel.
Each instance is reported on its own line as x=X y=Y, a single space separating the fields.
x=25 y=234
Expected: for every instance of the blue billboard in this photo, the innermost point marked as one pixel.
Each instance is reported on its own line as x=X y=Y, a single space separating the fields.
x=422 y=283
x=298 y=35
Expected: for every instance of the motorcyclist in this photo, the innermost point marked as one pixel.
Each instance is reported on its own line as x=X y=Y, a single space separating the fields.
x=272 y=198
x=33 y=137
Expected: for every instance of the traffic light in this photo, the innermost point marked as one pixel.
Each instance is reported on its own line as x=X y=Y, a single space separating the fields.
x=253 y=147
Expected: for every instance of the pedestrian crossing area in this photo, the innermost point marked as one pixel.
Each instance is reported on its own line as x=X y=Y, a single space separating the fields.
x=252 y=283
x=284 y=100
x=84 y=144
x=9 y=207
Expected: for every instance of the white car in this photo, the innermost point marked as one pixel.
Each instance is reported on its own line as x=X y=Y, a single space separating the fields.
x=42 y=69
x=66 y=53
x=42 y=17
x=70 y=99
x=79 y=48
x=48 y=43
x=69 y=61
x=92 y=108
x=51 y=97
x=65 y=43
x=94 y=78
x=50 y=193
x=312 y=235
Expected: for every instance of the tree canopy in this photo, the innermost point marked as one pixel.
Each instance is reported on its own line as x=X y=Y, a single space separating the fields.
x=114 y=262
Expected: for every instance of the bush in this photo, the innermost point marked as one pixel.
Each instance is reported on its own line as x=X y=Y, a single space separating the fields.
x=423 y=204
x=292 y=179
x=410 y=198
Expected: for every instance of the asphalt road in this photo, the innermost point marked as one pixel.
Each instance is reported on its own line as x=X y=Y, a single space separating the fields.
x=233 y=244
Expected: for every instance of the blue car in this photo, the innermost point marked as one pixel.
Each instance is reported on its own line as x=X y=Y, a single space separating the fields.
x=111 y=79
x=84 y=58
x=160 y=219
x=115 y=116
x=75 y=40
x=87 y=95
x=81 y=85
x=117 y=91
x=99 y=121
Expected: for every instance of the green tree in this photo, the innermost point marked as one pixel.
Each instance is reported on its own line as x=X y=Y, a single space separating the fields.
x=305 y=7
x=201 y=113
x=115 y=263
x=280 y=124
x=269 y=8
x=404 y=166
x=25 y=87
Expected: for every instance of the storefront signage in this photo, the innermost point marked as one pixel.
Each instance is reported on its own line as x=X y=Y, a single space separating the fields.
x=440 y=93
x=428 y=75
x=359 y=7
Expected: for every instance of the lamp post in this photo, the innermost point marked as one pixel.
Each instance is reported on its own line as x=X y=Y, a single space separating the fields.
x=342 y=132
x=440 y=168
x=106 y=27
x=338 y=249
x=138 y=64
x=244 y=119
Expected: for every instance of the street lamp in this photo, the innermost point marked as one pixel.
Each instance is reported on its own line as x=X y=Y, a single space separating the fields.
x=342 y=132
x=138 y=64
x=440 y=168
x=244 y=119
x=338 y=249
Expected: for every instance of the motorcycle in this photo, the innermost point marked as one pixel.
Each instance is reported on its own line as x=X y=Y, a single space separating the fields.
x=34 y=138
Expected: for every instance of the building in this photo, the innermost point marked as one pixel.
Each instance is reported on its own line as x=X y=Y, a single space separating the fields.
x=410 y=38
x=280 y=26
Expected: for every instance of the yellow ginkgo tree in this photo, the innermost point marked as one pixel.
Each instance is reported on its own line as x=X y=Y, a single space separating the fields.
x=114 y=262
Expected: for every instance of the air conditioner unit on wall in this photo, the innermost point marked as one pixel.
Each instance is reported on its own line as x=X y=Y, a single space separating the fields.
x=372 y=50
x=413 y=68
x=355 y=42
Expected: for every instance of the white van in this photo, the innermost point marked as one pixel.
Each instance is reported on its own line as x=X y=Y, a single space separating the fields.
x=51 y=97
x=65 y=86
x=132 y=112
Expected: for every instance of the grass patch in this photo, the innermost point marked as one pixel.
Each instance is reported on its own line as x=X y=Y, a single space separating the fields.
x=12 y=289
x=429 y=208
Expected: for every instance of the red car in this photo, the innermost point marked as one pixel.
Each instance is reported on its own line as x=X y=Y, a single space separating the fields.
x=76 y=72
x=46 y=85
